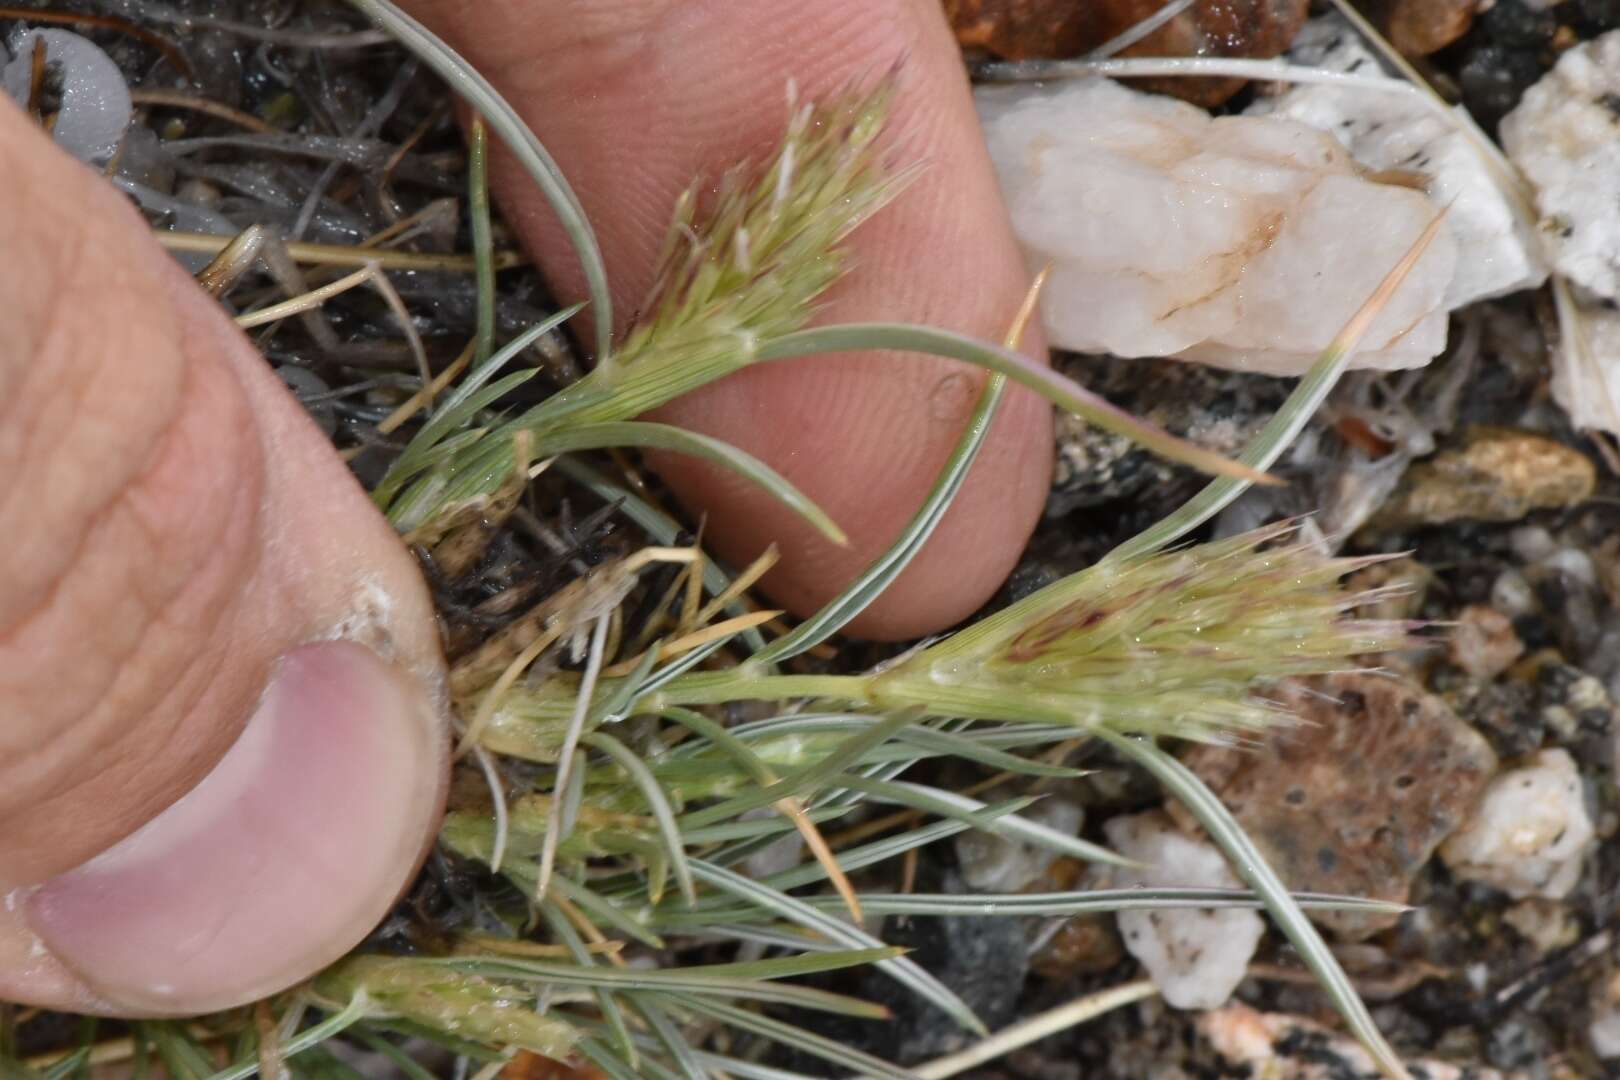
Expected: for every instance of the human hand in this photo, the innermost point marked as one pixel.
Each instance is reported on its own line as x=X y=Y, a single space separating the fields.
x=182 y=535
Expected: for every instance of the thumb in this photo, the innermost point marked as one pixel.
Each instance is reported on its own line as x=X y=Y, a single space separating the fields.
x=221 y=716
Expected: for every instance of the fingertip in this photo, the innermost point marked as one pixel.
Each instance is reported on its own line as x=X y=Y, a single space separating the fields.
x=277 y=863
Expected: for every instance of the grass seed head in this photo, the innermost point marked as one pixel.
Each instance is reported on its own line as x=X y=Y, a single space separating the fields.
x=1179 y=643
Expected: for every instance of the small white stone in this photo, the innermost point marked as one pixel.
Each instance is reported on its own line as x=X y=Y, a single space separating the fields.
x=1604 y=1033
x=1497 y=250
x=1196 y=957
x=1530 y=833
x=1590 y=392
x=95 y=107
x=1565 y=137
x=1000 y=864
x=1246 y=242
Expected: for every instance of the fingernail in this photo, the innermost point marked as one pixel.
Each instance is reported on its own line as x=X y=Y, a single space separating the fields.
x=281 y=860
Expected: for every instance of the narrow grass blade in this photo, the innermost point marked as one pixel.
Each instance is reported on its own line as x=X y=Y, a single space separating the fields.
x=565 y=757
x=606 y=1001
x=603 y=1057
x=949 y=804
x=650 y=436
x=482 y=238
x=605 y=912
x=657 y=802
x=1061 y=391
x=818 y=1045
x=808 y=778
x=529 y=151
x=352 y=1013
x=1086 y=902
x=902 y=970
x=651 y=1009
x=405 y=1063
x=1251 y=866
x=860 y=593
x=182 y=1058
x=1281 y=430
x=751 y=981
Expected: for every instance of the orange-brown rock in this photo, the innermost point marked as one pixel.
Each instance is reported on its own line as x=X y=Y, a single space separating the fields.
x=1356 y=797
x=527 y=1066
x=1051 y=29
x=1420 y=27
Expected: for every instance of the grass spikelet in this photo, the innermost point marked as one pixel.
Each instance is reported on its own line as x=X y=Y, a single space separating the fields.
x=1172 y=644
x=748 y=268
x=444 y=999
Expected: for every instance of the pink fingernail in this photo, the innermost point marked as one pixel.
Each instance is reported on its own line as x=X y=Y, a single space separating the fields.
x=282 y=859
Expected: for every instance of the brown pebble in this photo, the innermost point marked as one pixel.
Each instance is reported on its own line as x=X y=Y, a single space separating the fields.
x=1496 y=474
x=1483 y=642
x=1056 y=29
x=1421 y=27
x=1354 y=798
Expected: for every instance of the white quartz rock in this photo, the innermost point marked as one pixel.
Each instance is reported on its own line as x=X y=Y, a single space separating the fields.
x=1196 y=957
x=1589 y=391
x=95 y=103
x=1530 y=833
x=1565 y=138
x=1498 y=251
x=1001 y=864
x=1246 y=242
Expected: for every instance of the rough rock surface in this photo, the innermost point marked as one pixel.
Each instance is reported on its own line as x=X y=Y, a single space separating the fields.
x=1278 y=240
x=1355 y=798
x=1496 y=474
x=1530 y=833
x=1565 y=137
x=1392 y=133
x=1195 y=957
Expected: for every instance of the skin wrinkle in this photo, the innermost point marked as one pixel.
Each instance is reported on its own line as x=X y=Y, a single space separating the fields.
x=147 y=597
x=62 y=501
x=199 y=595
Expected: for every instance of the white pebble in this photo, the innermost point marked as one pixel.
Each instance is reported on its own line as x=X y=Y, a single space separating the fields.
x=95 y=104
x=1575 y=564
x=1196 y=957
x=1530 y=833
x=1590 y=392
x=1532 y=543
x=1245 y=242
x=1565 y=138
x=999 y=864
x=1497 y=250
x=1512 y=595
x=1604 y=1033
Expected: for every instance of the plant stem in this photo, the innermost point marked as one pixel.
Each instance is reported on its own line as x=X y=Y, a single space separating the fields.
x=744 y=684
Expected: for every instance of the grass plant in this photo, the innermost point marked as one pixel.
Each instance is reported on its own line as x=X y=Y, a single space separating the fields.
x=607 y=814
